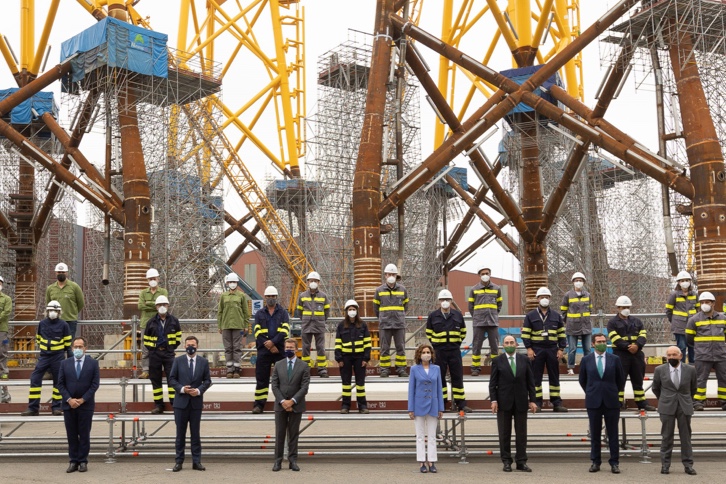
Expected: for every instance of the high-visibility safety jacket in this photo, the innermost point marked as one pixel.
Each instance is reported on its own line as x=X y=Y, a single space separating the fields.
x=353 y=341
x=679 y=308
x=624 y=332
x=312 y=309
x=446 y=331
x=53 y=336
x=485 y=303
x=543 y=330
x=69 y=296
x=233 y=311
x=158 y=336
x=275 y=327
x=147 y=304
x=706 y=335
x=6 y=307
x=576 y=310
x=390 y=305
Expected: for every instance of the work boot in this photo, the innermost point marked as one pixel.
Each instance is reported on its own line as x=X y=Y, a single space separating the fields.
x=29 y=413
x=384 y=373
x=345 y=410
x=158 y=409
x=322 y=373
x=230 y=372
x=257 y=409
x=6 y=398
x=560 y=408
x=237 y=372
x=648 y=408
x=699 y=407
x=723 y=407
x=475 y=370
x=402 y=372
x=57 y=413
x=465 y=409
x=144 y=375
x=363 y=409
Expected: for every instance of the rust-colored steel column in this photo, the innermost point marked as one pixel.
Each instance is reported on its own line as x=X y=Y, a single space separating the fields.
x=707 y=168
x=137 y=201
x=25 y=267
x=367 y=178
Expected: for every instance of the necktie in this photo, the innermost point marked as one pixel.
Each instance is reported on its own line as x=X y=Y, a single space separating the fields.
x=599 y=365
x=191 y=367
x=289 y=369
x=78 y=368
x=674 y=377
x=513 y=364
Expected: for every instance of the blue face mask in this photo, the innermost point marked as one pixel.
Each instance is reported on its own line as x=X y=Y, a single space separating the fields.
x=78 y=353
x=290 y=353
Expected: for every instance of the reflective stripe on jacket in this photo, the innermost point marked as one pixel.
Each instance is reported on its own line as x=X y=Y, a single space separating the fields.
x=485 y=303
x=352 y=341
x=679 y=308
x=390 y=305
x=576 y=313
x=274 y=327
x=536 y=325
x=313 y=311
x=706 y=335
x=624 y=332
x=169 y=336
x=446 y=332
x=53 y=336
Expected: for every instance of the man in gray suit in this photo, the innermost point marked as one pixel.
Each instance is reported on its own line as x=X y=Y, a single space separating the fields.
x=290 y=381
x=675 y=385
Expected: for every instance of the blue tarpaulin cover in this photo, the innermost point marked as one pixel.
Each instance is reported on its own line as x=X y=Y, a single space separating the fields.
x=42 y=102
x=521 y=75
x=114 y=43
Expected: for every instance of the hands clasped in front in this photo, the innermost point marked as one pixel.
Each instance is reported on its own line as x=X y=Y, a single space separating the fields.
x=75 y=402
x=287 y=405
x=192 y=392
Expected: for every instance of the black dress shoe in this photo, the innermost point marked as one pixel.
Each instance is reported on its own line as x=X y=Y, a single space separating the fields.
x=276 y=466
x=177 y=467
x=523 y=468
x=615 y=469
x=72 y=467
x=664 y=470
x=595 y=468
x=293 y=466
x=199 y=467
x=507 y=467
x=83 y=467
x=691 y=471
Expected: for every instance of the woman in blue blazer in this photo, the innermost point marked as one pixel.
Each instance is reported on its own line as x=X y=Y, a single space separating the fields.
x=425 y=404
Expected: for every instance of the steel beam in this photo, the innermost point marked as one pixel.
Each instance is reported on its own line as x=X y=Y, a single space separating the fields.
x=461 y=256
x=237 y=225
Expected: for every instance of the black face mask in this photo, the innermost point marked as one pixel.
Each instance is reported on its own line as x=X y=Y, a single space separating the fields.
x=673 y=362
x=61 y=277
x=271 y=302
x=191 y=350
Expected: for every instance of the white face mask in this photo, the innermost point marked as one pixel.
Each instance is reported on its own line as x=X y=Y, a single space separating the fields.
x=426 y=357
x=391 y=280
x=313 y=285
x=53 y=314
x=625 y=312
x=706 y=308
x=1 y=287
x=352 y=313
x=685 y=284
x=163 y=310
x=445 y=304
x=579 y=284
x=544 y=302
x=485 y=278
x=153 y=283
x=232 y=286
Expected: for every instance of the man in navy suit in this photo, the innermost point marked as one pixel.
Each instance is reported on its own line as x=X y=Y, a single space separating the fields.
x=511 y=390
x=602 y=377
x=190 y=379
x=78 y=380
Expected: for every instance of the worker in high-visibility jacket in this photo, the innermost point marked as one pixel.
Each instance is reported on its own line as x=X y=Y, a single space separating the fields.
x=147 y=306
x=705 y=332
x=445 y=329
x=53 y=338
x=313 y=308
x=353 y=352
x=543 y=334
x=576 y=307
x=681 y=306
x=485 y=303
x=271 y=329
x=389 y=303
x=161 y=336
x=628 y=336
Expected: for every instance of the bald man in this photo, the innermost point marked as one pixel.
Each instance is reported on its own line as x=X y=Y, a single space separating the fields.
x=675 y=385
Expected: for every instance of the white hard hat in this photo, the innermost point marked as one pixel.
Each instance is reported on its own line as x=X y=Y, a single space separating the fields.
x=231 y=277
x=623 y=301
x=61 y=267
x=578 y=275
x=270 y=291
x=683 y=275
x=445 y=294
x=349 y=303
x=706 y=296
x=162 y=300
x=53 y=305
x=543 y=291
x=391 y=269
x=481 y=268
x=313 y=275
x=152 y=273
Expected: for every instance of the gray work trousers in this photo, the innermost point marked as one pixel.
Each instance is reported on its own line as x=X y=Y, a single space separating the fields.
x=399 y=339
x=232 y=341
x=480 y=334
x=144 y=358
x=667 y=430
x=307 y=339
x=703 y=370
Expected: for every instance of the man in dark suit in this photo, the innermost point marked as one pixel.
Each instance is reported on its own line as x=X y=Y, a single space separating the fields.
x=511 y=390
x=78 y=380
x=675 y=384
x=602 y=377
x=290 y=381
x=190 y=379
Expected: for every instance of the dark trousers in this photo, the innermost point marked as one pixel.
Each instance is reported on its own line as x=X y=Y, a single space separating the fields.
x=504 y=424
x=72 y=325
x=45 y=363
x=192 y=417
x=352 y=366
x=263 y=368
x=634 y=367
x=667 y=430
x=286 y=424
x=160 y=360
x=547 y=356
x=611 y=416
x=78 y=430
x=450 y=358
